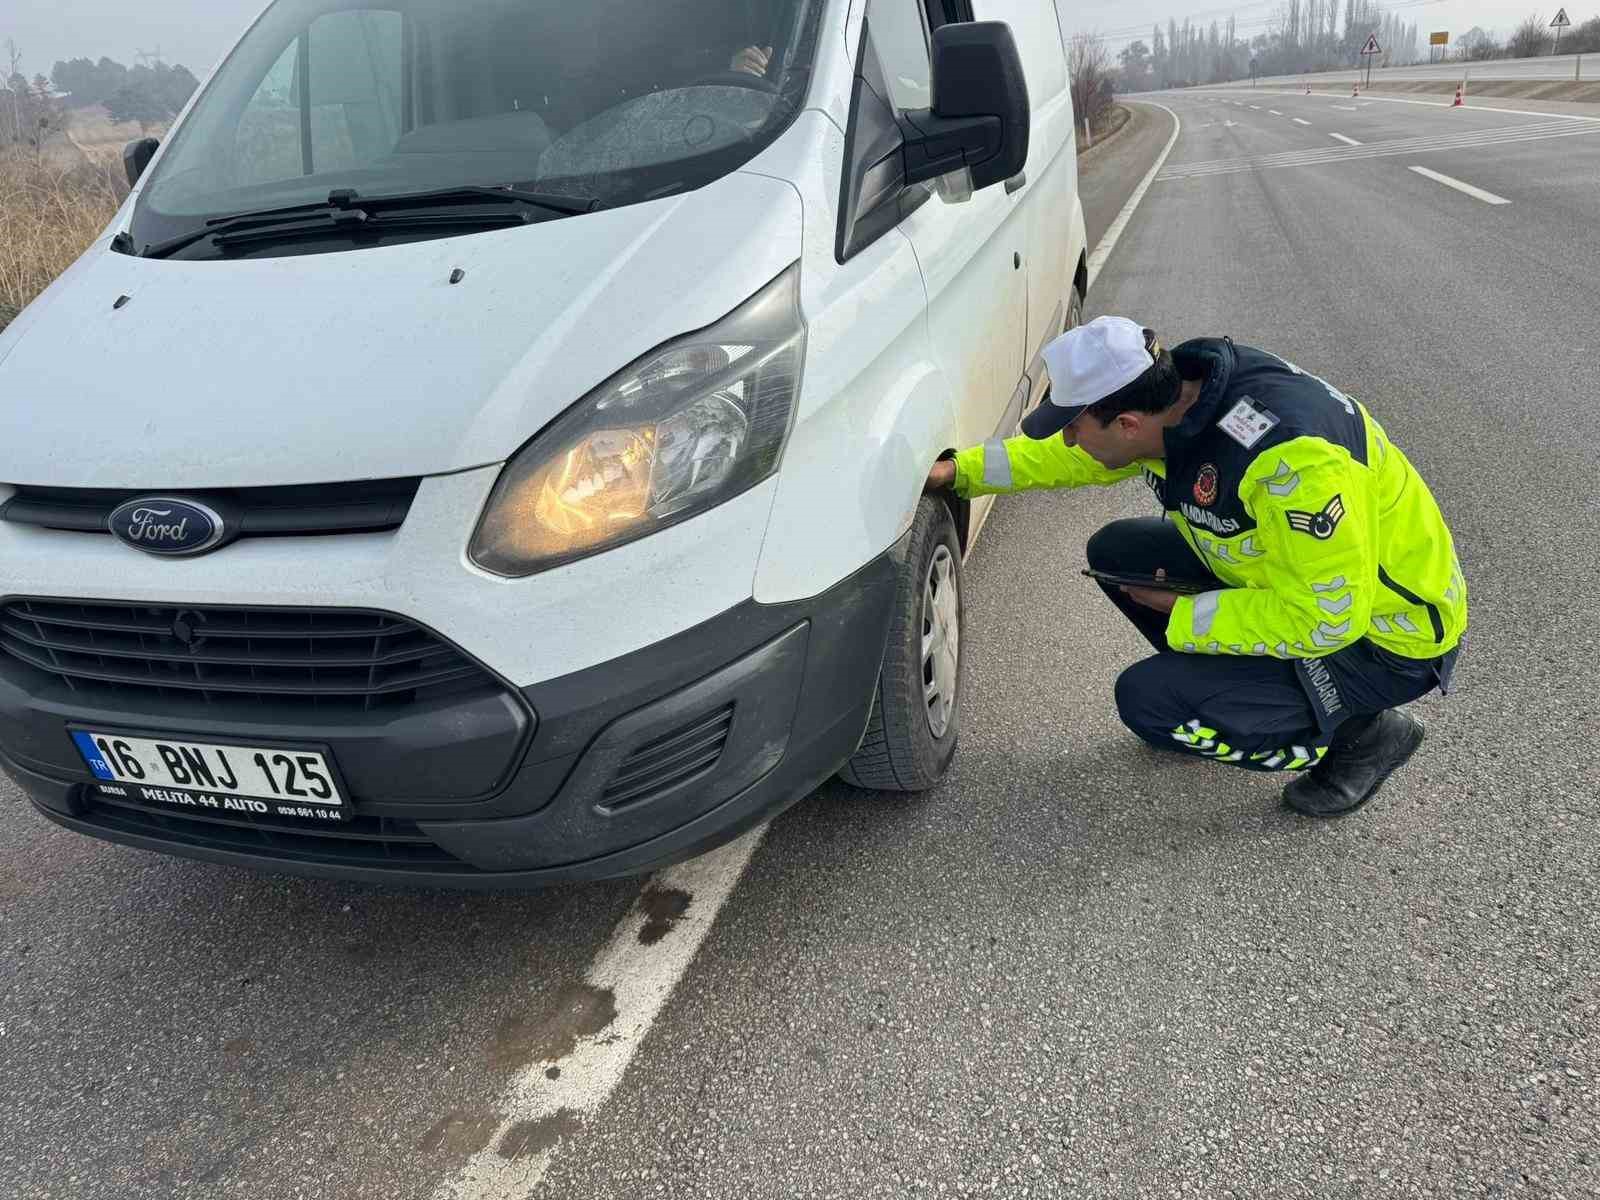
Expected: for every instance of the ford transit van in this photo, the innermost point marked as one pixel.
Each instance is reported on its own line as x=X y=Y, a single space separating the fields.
x=487 y=447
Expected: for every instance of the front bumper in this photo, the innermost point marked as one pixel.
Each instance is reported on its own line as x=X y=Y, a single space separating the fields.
x=621 y=768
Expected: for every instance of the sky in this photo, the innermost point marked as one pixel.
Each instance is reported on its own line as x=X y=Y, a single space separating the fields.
x=197 y=32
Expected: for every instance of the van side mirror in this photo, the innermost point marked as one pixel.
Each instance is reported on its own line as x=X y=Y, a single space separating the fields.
x=979 y=118
x=136 y=157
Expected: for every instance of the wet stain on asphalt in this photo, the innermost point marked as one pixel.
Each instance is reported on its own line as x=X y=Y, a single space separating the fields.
x=578 y=1011
x=535 y=1137
x=460 y=1131
x=662 y=907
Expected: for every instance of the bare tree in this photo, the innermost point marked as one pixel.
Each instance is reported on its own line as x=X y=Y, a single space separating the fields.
x=1532 y=38
x=1088 y=64
x=1585 y=39
x=14 y=73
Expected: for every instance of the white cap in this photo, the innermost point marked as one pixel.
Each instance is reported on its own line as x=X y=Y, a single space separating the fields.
x=1086 y=365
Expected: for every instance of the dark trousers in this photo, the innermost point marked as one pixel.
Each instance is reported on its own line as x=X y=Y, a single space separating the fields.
x=1255 y=712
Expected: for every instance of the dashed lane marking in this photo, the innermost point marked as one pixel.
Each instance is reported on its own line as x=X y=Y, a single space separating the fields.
x=1461 y=139
x=1467 y=189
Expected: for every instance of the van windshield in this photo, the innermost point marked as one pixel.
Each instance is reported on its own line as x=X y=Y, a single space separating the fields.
x=609 y=102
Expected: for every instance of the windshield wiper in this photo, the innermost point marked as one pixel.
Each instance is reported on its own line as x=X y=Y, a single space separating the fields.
x=366 y=227
x=349 y=210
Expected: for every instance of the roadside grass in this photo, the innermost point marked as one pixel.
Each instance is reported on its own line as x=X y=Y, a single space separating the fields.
x=47 y=217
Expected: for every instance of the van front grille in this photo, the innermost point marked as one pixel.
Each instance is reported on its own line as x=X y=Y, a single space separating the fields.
x=307 y=510
x=346 y=658
x=669 y=761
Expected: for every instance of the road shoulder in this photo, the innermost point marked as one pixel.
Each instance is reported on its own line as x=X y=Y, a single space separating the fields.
x=1109 y=172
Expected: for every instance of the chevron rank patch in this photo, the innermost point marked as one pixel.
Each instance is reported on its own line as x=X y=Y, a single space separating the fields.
x=1319 y=525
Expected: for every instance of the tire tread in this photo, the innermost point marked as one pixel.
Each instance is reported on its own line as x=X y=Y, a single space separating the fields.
x=891 y=757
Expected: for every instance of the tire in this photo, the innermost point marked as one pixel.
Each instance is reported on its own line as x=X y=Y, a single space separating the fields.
x=916 y=713
x=1074 y=309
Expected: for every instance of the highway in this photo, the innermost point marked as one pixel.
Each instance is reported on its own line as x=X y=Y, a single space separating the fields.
x=1078 y=968
x=1582 y=68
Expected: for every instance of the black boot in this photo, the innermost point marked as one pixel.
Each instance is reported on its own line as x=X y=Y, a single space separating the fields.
x=1364 y=753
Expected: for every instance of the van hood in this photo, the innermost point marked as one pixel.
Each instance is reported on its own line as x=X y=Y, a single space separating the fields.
x=366 y=364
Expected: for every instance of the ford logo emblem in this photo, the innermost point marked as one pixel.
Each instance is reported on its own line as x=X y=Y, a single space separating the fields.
x=167 y=526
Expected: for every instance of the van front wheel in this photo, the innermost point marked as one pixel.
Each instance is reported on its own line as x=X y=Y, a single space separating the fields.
x=916 y=714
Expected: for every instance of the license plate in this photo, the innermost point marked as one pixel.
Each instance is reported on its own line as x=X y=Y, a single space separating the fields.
x=202 y=777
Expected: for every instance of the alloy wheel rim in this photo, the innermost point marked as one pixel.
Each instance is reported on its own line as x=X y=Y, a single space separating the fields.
x=941 y=640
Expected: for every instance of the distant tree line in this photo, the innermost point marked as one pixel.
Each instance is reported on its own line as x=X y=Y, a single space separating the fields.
x=1529 y=39
x=1320 y=35
x=1303 y=35
x=148 y=95
x=34 y=109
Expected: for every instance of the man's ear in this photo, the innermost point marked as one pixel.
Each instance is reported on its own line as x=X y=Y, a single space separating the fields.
x=1130 y=424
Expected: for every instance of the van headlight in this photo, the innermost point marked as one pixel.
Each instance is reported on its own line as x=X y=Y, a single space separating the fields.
x=690 y=425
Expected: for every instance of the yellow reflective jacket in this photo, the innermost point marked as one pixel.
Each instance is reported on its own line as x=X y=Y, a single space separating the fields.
x=1319 y=528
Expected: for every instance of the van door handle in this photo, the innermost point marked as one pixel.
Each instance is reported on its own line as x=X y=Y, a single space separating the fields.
x=1017 y=182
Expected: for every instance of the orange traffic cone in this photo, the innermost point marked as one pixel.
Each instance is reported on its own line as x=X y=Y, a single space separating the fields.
x=1458 y=101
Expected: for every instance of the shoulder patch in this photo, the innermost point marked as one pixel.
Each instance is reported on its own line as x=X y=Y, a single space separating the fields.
x=1247 y=424
x=1319 y=525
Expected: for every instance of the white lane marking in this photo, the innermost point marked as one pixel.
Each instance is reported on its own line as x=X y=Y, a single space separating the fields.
x=641 y=979
x=1274 y=112
x=1344 y=107
x=1108 y=240
x=1476 y=193
x=1348 y=141
x=1257 y=107
x=1298 y=121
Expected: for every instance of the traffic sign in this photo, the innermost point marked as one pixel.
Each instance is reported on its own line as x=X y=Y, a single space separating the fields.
x=1439 y=37
x=1561 y=21
x=1372 y=45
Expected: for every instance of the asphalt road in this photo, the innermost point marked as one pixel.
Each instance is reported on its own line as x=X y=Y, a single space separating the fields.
x=1076 y=969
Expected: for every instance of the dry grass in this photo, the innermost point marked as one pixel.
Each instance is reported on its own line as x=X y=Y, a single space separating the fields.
x=47 y=216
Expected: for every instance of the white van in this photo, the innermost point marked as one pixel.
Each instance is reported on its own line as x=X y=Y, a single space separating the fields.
x=487 y=448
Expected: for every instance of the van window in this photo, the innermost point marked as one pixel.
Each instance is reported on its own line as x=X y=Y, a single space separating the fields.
x=613 y=101
x=266 y=142
x=899 y=34
x=353 y=69
x=354 y=63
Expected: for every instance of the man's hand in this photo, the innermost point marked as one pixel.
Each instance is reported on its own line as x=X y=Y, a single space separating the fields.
x=752 y=60
x=1157 y=598
x=942 y=475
